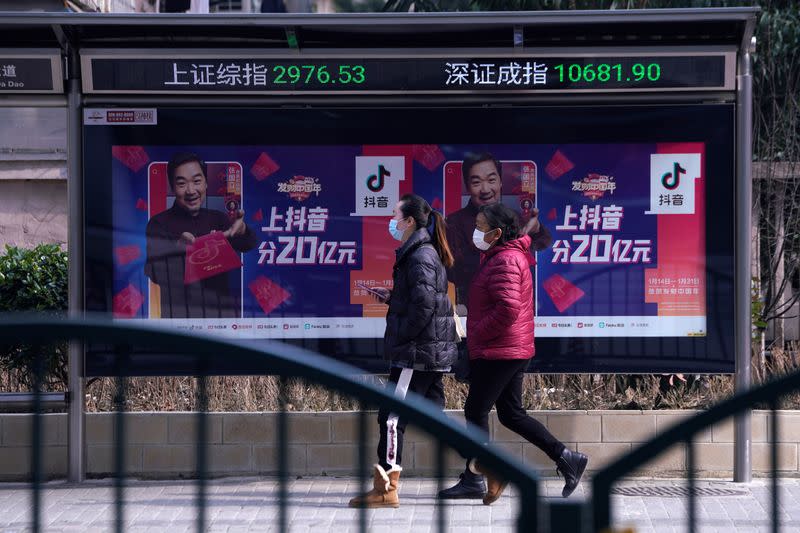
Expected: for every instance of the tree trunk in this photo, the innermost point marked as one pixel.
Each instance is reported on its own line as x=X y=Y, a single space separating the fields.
x=758 y=345
x=779 y=261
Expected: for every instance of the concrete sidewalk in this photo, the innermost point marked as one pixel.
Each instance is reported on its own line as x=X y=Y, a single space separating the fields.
x=320 y=504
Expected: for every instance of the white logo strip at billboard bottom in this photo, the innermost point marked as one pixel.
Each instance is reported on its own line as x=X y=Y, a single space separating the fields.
x=367 y=328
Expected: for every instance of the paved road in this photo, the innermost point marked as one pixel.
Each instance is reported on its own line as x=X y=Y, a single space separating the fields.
x=320 y=504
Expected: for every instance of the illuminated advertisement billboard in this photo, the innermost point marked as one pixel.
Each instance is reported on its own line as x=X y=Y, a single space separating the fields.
x=272 y=224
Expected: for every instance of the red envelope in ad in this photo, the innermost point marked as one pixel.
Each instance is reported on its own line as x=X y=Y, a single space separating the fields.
x=558 y=166
x=127 y=254
x=127 y=302
x=436 y=203
x=268 y=293
x=263 y=167
x=562 y=292
x=427 y=155
x=209 y=255
x=133 y=157
x=552 y=214
x=141 y=205
x=259 y=216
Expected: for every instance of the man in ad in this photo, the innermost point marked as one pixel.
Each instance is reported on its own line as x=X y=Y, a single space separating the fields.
x=482 y=175
x=189 y=228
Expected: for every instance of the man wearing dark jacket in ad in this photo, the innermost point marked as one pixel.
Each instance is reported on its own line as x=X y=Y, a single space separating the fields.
x=482 y=175
x=171 y=231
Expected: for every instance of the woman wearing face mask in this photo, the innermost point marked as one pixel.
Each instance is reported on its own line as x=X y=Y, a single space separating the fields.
x=500 y=343
x=420 y=339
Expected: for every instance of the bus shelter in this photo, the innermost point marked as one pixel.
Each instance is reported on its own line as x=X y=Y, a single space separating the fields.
x=628 y=132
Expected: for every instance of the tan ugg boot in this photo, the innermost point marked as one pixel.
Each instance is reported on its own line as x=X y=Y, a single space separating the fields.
x=494 y=485
x=384 y=490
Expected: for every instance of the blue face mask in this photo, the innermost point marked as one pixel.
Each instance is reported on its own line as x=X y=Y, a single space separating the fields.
x=396 y=233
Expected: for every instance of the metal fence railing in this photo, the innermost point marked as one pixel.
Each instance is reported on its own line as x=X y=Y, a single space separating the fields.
x=288 y=361
x=273 y=358
x=684 y=433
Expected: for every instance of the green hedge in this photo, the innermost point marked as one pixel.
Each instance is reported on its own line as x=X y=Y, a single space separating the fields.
x=34 y=280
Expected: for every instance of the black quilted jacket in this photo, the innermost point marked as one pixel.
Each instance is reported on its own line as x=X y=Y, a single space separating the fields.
x=420 y=330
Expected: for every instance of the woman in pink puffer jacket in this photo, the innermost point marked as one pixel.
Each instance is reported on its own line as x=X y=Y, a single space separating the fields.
x=500 y=318
x=500 y=339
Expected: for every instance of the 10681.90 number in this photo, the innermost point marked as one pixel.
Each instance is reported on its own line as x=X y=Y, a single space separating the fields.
x=605 y=72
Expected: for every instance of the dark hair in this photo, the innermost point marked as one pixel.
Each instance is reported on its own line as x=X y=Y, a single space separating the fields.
x=181 y=158
x=473 y=159
x=424 y=216
x=499 y=216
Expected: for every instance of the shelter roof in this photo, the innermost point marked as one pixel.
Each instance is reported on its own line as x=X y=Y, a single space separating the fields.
x=722 y=26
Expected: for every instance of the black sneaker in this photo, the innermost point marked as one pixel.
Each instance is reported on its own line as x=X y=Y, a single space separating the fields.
x=571 y=465
x=469 y=487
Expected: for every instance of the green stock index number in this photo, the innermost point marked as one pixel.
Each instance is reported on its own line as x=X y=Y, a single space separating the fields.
x=319 y=74
x=605 y=72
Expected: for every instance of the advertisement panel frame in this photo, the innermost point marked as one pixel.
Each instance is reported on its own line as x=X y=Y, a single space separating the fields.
x=547 y=345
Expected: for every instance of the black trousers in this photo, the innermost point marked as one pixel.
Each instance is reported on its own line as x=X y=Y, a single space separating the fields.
x=393 y=427
x=499 y=383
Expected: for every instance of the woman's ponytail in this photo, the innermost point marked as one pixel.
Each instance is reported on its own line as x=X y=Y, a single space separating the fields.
x=424 y=216
x=439 y=238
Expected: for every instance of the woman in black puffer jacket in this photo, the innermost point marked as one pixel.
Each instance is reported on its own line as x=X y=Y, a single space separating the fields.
x=420 y=339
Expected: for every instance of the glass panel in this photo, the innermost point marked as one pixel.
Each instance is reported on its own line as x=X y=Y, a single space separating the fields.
x=31 y=133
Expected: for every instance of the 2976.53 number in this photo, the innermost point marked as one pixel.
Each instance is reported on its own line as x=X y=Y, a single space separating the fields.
x=308 y=74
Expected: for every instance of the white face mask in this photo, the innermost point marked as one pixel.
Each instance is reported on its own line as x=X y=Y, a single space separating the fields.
x=477 y=240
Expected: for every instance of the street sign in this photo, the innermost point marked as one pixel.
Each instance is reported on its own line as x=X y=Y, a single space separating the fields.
x=26 y=71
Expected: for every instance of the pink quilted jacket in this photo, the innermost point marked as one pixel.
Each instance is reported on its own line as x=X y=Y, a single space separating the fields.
x=500 y=313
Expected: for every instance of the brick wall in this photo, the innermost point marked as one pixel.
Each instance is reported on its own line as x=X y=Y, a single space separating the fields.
x=161 y=444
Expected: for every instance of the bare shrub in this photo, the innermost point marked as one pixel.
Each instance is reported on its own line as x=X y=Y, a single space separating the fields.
x=554 y=392
x=540 y=391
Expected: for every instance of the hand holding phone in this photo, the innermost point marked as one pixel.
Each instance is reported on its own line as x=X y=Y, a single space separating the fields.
x=381 y=294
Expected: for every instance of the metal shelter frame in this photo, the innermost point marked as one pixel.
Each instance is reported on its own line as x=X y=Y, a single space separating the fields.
x=517 y=33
